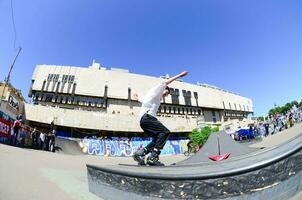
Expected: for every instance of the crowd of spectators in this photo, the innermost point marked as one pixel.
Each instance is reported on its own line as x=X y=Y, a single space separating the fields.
x=44 y=141
x=40 y=140
x=278 y=123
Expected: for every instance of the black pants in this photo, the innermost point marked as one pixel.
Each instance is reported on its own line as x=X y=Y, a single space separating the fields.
x=152 y=127
x=16 y=134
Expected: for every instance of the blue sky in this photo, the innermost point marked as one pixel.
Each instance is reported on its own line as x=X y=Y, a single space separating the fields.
x=253 y=48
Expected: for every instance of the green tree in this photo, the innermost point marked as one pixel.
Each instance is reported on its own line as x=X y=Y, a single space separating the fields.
x=199 y=137
x=261 y=119
x=275 y=110
x=295 y=103
x=284 y=109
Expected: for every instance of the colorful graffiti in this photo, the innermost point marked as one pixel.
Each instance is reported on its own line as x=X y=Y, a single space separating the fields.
x=5 y=127
x=126 y=147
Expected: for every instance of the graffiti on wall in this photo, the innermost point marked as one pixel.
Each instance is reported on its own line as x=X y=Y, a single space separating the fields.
x=126 y=147
x=5 y=127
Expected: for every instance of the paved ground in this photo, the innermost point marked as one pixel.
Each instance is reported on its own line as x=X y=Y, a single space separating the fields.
x=35 y=175
x=279 y=137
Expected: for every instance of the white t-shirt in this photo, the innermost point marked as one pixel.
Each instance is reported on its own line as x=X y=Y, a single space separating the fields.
x=151 y=101
x=42 y=137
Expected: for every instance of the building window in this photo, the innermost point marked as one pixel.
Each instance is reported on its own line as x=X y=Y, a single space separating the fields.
x=48 y=97
x=58 y=86
x=195 y=95
x=70 y=78
x=56 y=77
x=49 y=78
x=174 y=95
x=214 y=116
x=43 y=85
x=74 y=88
x=187 y=97
x=65 y=78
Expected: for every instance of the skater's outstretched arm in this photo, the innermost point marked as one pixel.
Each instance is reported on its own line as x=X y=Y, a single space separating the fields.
x=182 y=74
x=158 y=90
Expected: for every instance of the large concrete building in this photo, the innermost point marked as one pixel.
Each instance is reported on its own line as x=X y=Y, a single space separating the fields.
x=96 y=100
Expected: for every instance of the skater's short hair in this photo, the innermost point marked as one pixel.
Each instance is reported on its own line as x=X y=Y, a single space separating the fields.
x=167 y=88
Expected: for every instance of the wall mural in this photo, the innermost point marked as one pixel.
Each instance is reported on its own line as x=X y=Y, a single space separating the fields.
x=126 y=147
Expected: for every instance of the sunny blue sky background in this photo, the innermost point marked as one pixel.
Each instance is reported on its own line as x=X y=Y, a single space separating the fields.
x=253 y=48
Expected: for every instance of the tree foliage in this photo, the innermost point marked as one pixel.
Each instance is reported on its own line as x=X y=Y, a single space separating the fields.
x=284 y=109
x=199 y=137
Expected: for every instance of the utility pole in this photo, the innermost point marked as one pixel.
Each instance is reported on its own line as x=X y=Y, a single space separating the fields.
x=6 y=81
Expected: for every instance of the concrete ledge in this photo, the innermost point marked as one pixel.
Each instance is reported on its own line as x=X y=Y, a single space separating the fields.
x=273 y=173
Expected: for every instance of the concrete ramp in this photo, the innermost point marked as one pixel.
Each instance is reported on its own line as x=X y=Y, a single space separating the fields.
x=211 y=148
x=68 y=146
x=272 y=173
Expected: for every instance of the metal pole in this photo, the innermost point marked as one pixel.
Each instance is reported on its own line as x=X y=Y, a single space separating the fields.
x=218 y=143
x=6 y=81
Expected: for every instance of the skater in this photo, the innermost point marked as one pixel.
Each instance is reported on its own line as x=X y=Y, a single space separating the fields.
x=150 y=124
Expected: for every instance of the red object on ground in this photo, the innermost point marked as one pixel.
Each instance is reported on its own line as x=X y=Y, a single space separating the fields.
x=220 y=157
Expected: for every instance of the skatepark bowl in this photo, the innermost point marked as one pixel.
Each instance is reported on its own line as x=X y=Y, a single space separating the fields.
x=258 y=172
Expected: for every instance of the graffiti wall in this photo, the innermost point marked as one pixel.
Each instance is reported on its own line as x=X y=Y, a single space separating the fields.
x=5 y=130
x=126 y=147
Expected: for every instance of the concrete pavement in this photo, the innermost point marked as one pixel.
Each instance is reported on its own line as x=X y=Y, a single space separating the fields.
x=35 y=175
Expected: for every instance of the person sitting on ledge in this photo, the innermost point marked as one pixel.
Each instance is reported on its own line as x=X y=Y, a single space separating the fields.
x=150 y=125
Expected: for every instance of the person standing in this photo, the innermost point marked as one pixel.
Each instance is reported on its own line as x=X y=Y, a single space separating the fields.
x=50 y=137
x=16 y=128
x=34 y=138
x=150 y=124
x=42 y=140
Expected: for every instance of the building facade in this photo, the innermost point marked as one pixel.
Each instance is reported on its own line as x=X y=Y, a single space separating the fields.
x=96 y=100
x=12 y=101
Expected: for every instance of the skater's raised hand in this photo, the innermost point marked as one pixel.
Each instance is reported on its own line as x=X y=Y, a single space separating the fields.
x=182 y=74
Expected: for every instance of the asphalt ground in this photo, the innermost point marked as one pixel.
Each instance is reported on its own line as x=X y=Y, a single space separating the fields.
x=27 y=174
